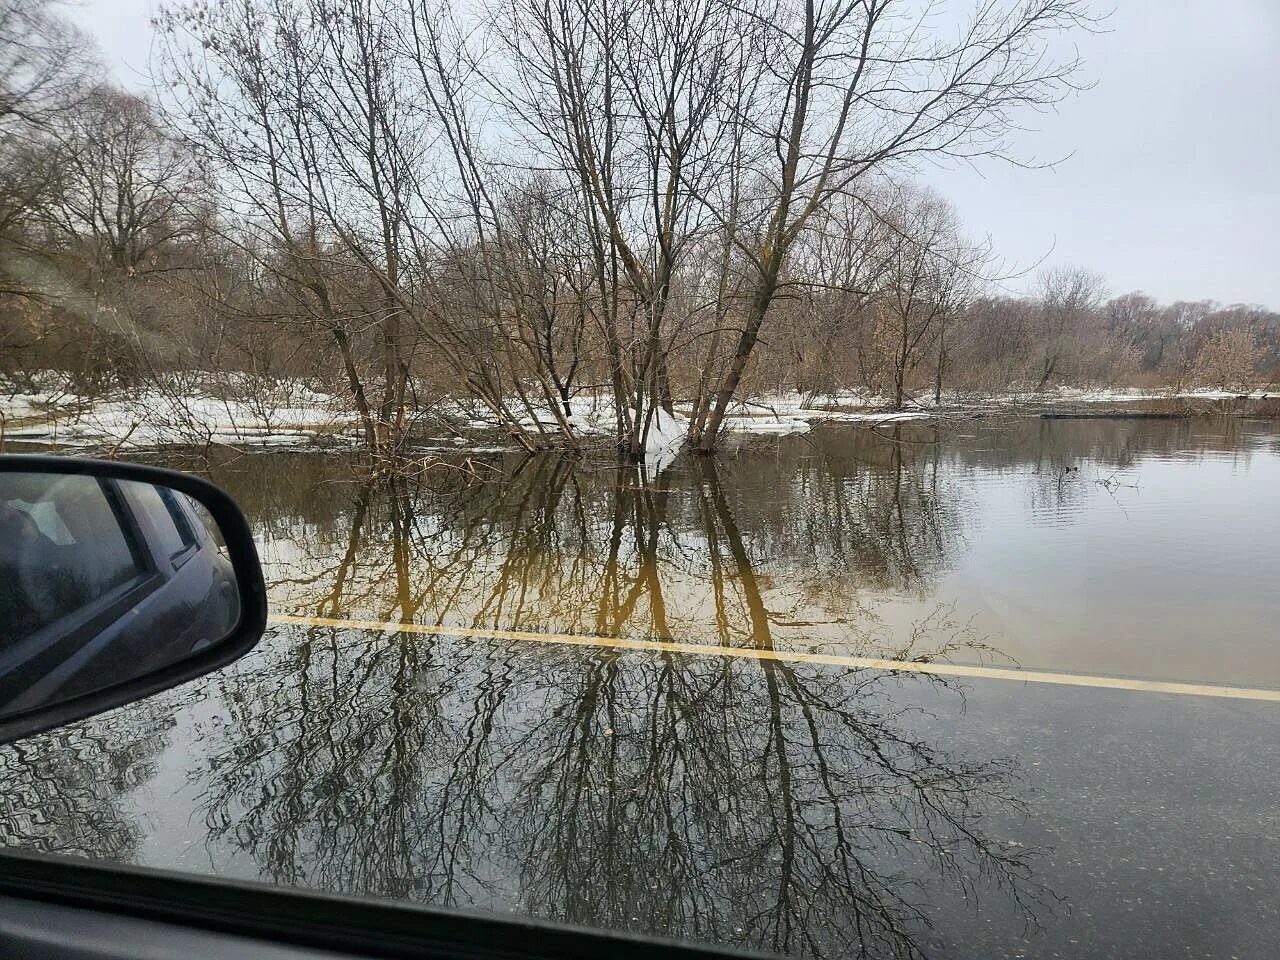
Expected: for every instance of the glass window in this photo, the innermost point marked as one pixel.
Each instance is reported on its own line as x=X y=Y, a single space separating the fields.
x=62 y=545
x=198 y=510
x=170 y=523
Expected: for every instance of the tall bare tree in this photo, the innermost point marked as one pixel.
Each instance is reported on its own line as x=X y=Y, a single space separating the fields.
x=852 y=87
x=123 y=184
x=628 y=99
x=930 y=272
x=44 y=65
x=1069 y=296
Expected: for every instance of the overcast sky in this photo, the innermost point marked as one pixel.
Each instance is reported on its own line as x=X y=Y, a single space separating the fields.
x=1171 y=177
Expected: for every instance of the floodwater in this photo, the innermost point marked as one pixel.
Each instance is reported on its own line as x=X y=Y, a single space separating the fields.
x=508 y=754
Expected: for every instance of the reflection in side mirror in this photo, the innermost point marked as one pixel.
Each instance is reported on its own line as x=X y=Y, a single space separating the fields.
x=115 y=581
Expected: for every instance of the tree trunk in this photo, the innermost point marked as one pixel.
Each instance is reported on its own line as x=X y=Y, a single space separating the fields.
x=357 y=388
x=746 y=343
x=942 y=362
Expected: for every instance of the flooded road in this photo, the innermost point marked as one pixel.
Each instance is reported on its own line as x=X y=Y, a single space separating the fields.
x=788 y=797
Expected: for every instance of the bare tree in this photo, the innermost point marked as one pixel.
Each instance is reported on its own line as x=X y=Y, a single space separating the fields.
x=1068 y=296
x=930 y=271
x=1229 y=359
x=123 y=184
x=44 y=62
x=628 y=101
x=297 y=108
x=837 y=268
x=850 y=87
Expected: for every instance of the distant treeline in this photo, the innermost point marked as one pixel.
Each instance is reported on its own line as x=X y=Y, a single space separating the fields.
x=677 y=204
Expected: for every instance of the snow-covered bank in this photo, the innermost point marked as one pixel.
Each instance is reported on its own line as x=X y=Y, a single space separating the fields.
x=202 y=411
x=148 y=418
x=1134 y=395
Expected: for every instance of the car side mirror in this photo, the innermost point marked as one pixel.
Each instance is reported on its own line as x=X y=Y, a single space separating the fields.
x=116 y=581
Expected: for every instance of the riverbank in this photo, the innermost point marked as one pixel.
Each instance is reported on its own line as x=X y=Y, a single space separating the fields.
x=291 y=413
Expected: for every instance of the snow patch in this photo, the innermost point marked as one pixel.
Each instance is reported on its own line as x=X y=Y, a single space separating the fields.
x=776 y=425
x=665 y=438
x=22 y=405
x=868 y=416
x=155 y=417
x=233 y=408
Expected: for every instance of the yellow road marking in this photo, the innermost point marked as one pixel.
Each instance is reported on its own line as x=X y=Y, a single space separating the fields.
x=830 y=659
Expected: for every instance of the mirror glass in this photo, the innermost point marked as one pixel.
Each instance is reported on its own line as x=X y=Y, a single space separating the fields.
x=103 y=581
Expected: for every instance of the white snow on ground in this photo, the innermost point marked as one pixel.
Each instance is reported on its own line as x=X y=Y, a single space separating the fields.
x=591 y=415
x=869 y=416
x=843 y=399
x=777 y=425
x=290 y=413
x=21 y=405
x=1123 y=395
x=153 y=417
x=665 y=438
x=794 y=413
x=51 y=392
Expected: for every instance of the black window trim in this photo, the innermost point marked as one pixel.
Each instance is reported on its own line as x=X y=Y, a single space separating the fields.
x=181 y=523
x=143 y=555
x=152 y=537
x=363 y=926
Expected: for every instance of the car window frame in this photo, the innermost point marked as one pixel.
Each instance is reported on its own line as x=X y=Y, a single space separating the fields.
x=173 y=560
x=360 y=926
x=186 y=529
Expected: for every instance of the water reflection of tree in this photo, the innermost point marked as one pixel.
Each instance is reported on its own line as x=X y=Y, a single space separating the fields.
x=874 y=508
x=1039 y=446
x=62 y=792
x=557 y=546
x=742 y=802
x=739 y=801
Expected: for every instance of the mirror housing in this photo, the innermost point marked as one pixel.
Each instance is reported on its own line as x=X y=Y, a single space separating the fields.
x=211 y=539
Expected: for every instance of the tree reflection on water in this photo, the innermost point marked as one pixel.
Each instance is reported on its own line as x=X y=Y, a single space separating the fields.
x=737 y=801
x=785 y=806
x=702 y=553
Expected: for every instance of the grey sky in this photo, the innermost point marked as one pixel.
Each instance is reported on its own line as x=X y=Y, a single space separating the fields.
x=1171 y=182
